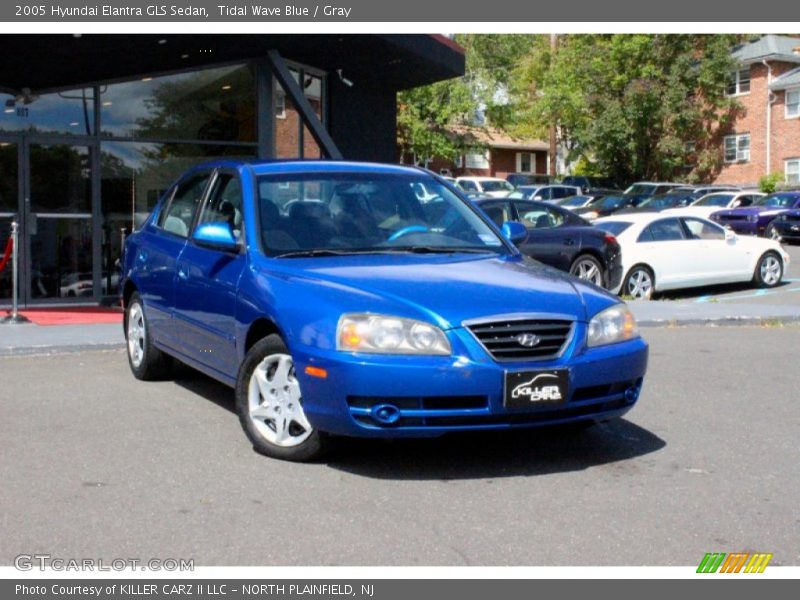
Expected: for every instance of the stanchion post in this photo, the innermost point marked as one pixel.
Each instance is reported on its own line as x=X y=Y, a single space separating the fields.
x=15 y=317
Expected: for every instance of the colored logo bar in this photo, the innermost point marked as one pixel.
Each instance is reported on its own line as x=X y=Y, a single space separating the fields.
x=735 y=562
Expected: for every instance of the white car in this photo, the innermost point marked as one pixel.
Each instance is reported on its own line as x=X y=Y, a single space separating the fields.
x=489 y=186
x=711 y=203
x=665 y=252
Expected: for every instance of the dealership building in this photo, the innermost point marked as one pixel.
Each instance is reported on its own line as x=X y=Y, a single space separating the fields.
x=95 y=128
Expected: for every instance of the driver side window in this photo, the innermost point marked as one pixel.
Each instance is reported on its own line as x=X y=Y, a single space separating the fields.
x=224 y=203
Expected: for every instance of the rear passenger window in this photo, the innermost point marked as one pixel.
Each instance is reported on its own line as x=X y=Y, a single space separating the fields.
x=177 y=218
x=665 y=230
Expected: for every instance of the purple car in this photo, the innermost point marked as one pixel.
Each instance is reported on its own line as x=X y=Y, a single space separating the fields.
x=785 y=227
x=755 y=219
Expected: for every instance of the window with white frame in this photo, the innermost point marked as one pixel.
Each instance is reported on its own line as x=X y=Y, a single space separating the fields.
x=477 y=160
x=526 y=162
x=739 y=82
x=792 y=171
x=737 y=148
x=280 y=106
x=793 y=103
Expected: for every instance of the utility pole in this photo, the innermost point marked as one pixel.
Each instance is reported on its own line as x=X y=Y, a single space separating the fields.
x=552 y=151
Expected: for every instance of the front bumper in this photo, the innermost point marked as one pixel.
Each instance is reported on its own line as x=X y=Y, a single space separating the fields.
x=788 y=230
x=431 y=396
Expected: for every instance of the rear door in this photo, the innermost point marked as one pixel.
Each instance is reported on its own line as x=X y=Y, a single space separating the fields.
x=208 y=279
x=158 y=254
x=676 y=259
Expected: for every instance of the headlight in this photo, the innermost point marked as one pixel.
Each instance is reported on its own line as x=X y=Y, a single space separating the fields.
x=615 y=324
x=380 y=334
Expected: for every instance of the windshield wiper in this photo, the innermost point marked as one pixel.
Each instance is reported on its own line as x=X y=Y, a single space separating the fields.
x=439 y=250
x=318 y=252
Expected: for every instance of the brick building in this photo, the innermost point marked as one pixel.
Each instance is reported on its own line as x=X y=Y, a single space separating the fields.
x=766 y=137
x=503 y=155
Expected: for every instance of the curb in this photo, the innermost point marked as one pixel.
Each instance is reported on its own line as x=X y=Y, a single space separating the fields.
x=60 y=349
x=721 y=321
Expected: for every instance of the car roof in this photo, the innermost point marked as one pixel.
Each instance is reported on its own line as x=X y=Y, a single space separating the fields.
x=266 y=167
x=479 y=178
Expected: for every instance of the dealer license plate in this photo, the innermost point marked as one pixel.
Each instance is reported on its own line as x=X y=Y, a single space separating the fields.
x=529 y=389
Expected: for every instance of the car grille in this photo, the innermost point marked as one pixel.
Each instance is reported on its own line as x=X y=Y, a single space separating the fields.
x=502 y=338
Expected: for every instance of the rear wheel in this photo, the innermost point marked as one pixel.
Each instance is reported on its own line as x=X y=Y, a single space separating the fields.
x=769 y=270
x=270 y=404
x=588 y=268
x=640 y=283
x=146 y=361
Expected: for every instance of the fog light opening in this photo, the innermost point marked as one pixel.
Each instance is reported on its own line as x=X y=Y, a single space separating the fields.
x=386 y=414
x=632 y=393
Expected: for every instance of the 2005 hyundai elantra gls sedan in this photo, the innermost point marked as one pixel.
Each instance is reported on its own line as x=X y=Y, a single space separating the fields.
x=336 y=299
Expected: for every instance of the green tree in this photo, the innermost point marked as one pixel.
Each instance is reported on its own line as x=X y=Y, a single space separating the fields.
x=434 y=120
x=630 y=105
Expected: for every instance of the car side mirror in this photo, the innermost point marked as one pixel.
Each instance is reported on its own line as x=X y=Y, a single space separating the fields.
x=514 y=232
x=538 y=197
x=217 y=236
x=730 y=236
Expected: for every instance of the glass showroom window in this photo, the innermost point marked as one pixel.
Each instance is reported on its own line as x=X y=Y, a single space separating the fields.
x=792 y=103
x=737 y=148
x=212 y=104
x=66 y=113
x=793 y=171
x=739 y=82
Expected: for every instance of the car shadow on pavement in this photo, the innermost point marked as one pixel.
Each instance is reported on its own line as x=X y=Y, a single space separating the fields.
x=465 y=455
x=202 y=385
x=717 y=290
x=510 y=453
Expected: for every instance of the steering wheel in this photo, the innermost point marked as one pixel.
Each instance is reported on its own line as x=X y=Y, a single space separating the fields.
x=406 y=230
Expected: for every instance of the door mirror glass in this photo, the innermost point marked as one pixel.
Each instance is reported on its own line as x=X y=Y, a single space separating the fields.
x=216 y=235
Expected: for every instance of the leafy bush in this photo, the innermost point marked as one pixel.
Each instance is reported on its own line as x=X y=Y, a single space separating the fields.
x=770 y=183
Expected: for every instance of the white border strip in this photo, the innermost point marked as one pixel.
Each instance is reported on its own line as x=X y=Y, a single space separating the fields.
x=389 y=27
x=275 y=573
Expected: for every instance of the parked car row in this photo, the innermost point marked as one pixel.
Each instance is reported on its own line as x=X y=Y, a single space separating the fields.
x=638 y=252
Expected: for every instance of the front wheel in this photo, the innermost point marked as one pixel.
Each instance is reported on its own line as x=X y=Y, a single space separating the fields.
x=769 y=271
x=773 y=234
x=589 y=269
x=270 y=404
x=640 y=283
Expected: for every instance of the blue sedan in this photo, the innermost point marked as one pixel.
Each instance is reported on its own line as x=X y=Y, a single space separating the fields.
x=366 y=300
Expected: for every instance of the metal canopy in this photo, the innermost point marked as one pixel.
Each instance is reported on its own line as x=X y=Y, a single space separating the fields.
x=46 y=63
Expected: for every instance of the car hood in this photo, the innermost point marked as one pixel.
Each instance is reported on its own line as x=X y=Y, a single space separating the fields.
x=444 y=289
x=764 y=211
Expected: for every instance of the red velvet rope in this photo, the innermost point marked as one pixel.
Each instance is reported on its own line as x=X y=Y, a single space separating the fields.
x=6 y=254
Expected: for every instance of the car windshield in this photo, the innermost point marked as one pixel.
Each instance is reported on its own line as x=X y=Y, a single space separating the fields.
x=575 y=201
x=777 y=200
x=490 y=185
x=349 y=213
x=612 y=201
x=613 y=227
x=641 y=188
x=714 y=200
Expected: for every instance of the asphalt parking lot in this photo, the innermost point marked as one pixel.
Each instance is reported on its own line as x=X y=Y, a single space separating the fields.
x=97 y=464
x=788 y=292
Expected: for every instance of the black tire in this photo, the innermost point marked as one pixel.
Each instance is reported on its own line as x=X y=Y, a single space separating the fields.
x=258 y=429
x=629 y=284
x=581 y=262
x=773 y=234
x=769 y=270
x=152 y=364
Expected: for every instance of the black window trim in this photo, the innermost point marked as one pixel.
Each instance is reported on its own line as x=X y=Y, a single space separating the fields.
x=165 y=209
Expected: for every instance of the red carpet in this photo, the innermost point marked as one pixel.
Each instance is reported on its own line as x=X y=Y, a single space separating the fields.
x=73 y=315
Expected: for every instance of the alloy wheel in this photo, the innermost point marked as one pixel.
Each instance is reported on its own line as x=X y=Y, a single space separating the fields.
x=587 y=269
x=137 y=335
x=770 y=270
x=274 y=402
x=640 y=285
